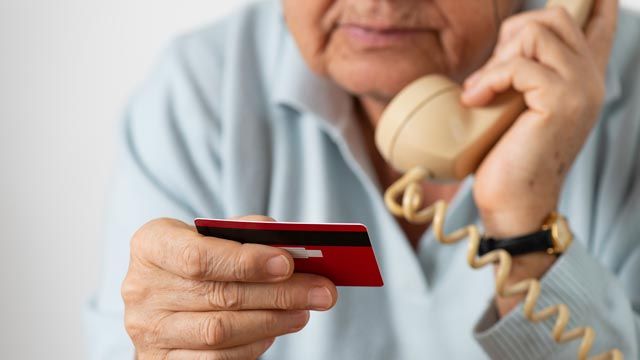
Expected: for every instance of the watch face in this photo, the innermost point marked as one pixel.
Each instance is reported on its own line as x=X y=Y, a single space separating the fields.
x=561 y=234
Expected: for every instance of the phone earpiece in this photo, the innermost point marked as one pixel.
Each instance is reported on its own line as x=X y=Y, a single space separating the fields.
x=426 y=125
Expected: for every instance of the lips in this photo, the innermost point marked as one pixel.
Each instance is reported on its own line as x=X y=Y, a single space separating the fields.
x=379 y=36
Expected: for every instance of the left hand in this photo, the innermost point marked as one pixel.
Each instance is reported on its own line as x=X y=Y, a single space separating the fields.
x=560 y=70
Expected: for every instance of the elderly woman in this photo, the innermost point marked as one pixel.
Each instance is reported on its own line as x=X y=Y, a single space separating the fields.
x=272 y=112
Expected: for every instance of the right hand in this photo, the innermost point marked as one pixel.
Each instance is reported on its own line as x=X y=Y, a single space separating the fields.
x=193 y=297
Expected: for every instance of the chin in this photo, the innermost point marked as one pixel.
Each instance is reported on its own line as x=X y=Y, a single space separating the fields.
x=376 y=78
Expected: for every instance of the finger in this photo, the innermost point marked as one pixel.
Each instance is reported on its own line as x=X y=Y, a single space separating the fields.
x=251 y=351
x=225 y=329
x=600 y=30
x=300 y=292
x=536 y=41
x=253 y=218
x=524 y=75
x=173 y=246
x=556 y=18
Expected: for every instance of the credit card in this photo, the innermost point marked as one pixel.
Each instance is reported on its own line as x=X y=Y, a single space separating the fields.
x=340 y=252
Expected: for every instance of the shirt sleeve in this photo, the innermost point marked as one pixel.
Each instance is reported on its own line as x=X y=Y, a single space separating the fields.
x=167 y=166
x=606 y=298
x=595 y=298
x=598 y=277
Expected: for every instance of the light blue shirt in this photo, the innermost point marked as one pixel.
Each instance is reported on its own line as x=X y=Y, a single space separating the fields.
x=232 y=122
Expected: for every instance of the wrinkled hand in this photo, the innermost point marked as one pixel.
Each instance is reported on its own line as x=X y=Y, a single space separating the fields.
x=193 y=297
x=560 y=70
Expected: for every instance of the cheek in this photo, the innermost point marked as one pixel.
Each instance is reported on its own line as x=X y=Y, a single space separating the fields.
x=469 y=38
x=382 y=73
x=305 y=20
x=457 y=49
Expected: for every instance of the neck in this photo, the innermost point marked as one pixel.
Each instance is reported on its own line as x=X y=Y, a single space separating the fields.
x=368 y=113
x=371 y=109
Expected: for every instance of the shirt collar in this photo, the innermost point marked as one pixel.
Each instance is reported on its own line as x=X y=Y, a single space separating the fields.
x=298 y=87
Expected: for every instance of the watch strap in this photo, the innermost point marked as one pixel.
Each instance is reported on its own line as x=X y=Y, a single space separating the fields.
x=535 y=242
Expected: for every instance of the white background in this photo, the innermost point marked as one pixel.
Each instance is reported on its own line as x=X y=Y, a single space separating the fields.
x=66 y=70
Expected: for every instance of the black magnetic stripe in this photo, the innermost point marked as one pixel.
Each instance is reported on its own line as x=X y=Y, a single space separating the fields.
x=288 y=237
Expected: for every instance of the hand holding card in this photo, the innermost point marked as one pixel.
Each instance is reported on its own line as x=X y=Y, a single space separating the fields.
x=191 y=296
x=340 y=252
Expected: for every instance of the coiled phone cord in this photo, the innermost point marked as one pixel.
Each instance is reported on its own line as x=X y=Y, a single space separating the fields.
x=412 y=194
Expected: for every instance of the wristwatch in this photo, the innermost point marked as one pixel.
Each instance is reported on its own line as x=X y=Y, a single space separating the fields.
x=554 y=238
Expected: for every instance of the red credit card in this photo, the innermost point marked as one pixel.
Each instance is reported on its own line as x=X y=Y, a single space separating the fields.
x=339 y=252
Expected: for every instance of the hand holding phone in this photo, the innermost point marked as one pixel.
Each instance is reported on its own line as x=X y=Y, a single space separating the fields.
x=560 y=71
x=520 y=120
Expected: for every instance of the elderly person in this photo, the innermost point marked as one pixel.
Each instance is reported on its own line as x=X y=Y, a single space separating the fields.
x=272 y=112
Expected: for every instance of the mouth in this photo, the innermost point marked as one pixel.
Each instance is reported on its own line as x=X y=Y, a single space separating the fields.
x=372 y=36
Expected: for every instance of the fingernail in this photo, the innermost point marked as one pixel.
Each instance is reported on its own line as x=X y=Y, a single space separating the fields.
x=320 y=298
x=278 y=266
x=269 y=342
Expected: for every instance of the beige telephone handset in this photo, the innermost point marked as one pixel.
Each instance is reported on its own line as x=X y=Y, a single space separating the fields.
x=427 y=133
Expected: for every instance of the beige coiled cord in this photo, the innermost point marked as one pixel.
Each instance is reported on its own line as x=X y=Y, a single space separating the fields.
x=412 y=194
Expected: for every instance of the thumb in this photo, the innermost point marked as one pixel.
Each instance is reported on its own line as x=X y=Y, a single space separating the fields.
x=253 y=218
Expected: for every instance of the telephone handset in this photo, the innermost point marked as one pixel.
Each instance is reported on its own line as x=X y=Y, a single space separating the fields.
x=428 y=134
x=425 y=124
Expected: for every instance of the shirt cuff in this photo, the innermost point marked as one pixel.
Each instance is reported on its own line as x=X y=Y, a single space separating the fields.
x=576 y=280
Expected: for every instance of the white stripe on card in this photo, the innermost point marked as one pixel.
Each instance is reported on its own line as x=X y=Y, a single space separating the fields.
x=302 y=253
